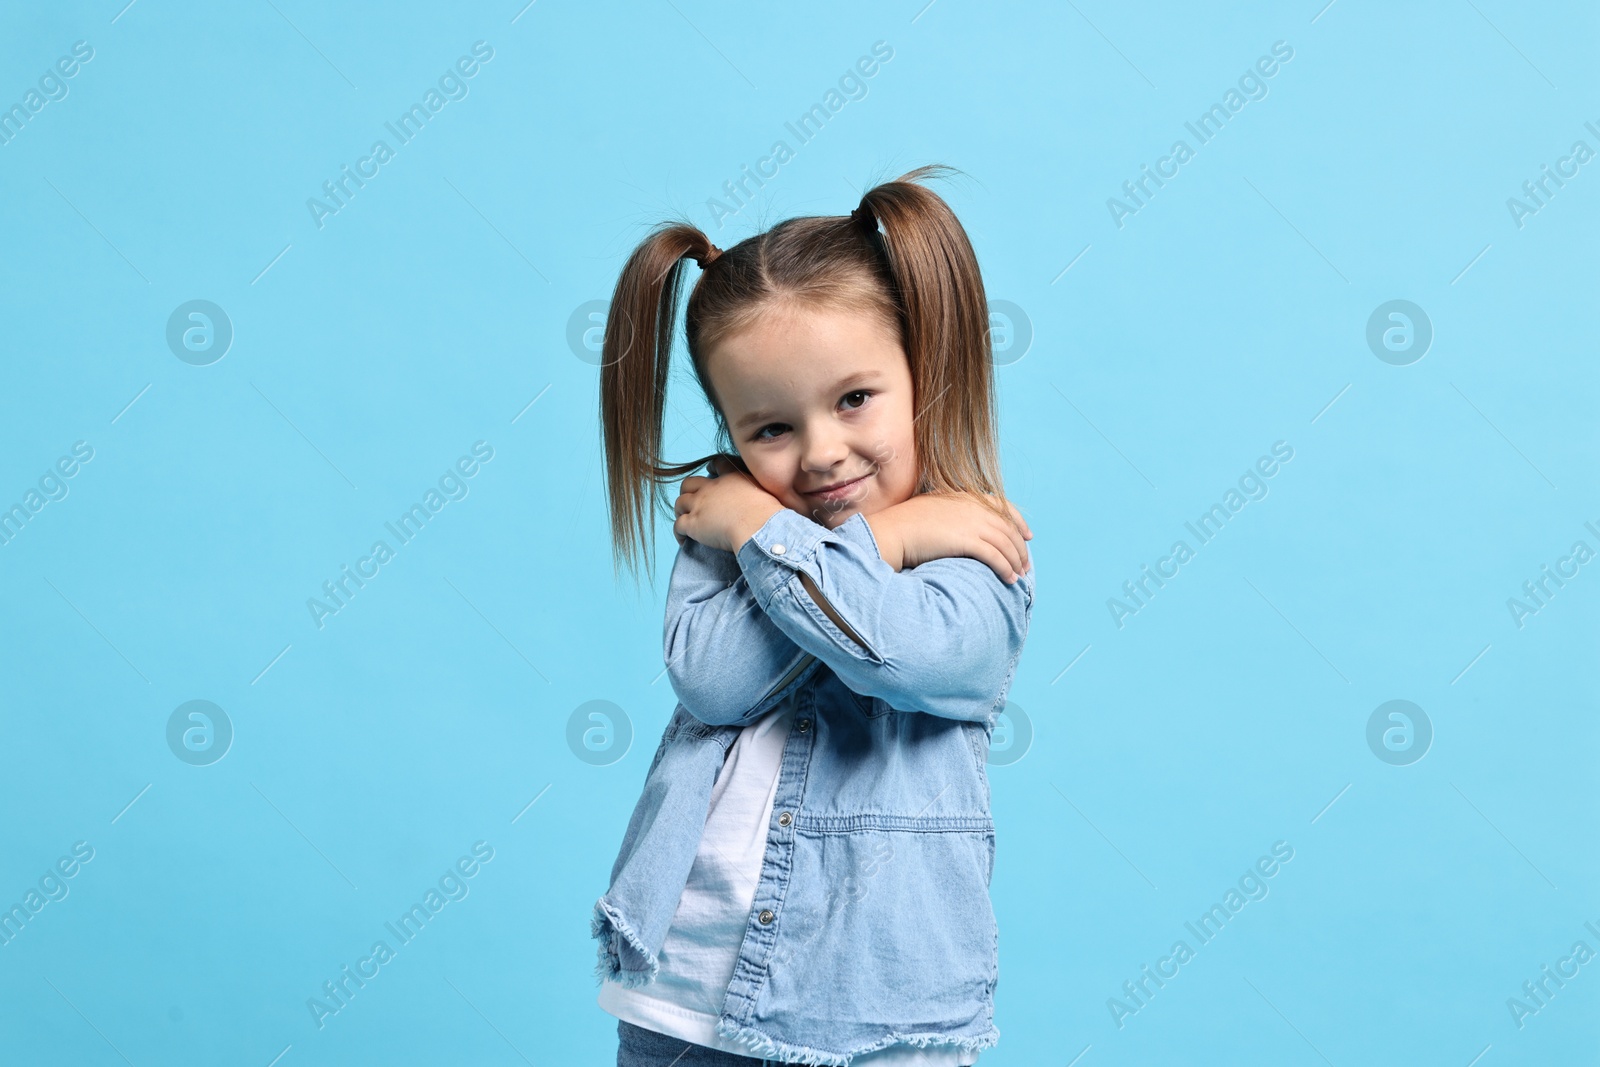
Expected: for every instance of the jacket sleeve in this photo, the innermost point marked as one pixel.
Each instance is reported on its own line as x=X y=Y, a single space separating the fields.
x=943 y=637
x=727 y=662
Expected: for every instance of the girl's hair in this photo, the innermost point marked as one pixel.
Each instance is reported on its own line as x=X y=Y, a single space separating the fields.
x=901 y=255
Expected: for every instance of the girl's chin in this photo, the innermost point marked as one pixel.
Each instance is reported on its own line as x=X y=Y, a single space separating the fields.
x=835 y=515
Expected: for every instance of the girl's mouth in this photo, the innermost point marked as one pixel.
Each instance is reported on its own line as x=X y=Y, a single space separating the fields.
x=839 y=492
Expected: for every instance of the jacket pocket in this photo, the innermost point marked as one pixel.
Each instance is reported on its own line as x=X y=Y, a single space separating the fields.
x=880 y=926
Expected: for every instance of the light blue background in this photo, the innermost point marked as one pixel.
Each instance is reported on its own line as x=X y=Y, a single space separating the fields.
x=369 y=354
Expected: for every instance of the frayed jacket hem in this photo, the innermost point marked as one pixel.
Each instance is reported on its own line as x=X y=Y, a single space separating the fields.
x=615 y=935
x=764 y=1045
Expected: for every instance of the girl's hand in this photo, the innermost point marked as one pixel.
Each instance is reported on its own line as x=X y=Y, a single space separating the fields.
x=724 y=510
x=941 y=525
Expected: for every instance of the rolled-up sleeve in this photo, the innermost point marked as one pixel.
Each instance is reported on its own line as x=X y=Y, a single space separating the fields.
x=727 y=661
x=943 y=637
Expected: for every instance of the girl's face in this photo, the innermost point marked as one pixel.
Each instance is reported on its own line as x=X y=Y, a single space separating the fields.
x=817 y=398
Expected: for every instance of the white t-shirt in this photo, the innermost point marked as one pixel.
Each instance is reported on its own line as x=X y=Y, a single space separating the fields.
x=702 y=944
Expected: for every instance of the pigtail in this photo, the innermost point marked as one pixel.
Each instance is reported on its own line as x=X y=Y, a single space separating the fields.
x=636 y=353
x=945 y=328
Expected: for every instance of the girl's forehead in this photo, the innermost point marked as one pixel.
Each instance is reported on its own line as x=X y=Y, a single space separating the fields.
x=806 y=344
x=783 y=361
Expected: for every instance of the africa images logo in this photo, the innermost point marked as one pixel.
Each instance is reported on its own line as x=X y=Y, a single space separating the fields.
x=453 y=885
x=452 y=85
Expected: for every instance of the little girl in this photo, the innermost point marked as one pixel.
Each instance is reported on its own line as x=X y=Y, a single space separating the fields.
x=805 y=878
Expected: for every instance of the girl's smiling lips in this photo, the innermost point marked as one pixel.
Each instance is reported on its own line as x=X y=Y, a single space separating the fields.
x=838 y=491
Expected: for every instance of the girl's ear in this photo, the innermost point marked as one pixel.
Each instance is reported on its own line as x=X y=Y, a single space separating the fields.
x=723 y=462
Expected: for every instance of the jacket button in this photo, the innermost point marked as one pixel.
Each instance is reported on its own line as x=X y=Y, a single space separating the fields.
x=803 y=725
x=778 y=550
x=766 y=916
x=785 y=819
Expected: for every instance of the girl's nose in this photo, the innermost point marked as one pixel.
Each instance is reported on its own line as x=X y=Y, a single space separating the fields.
x=824 y=459
x=824 y=453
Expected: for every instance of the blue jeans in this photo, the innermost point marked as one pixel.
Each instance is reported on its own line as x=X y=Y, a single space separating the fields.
x=638 y=1047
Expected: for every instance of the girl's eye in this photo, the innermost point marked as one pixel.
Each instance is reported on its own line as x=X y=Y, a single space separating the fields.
x=780 y=427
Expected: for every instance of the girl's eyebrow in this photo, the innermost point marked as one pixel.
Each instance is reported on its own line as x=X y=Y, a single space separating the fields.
x=860 y=377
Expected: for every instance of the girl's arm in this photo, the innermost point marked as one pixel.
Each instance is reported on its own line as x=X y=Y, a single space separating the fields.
x=727 y=662
x=943 y=637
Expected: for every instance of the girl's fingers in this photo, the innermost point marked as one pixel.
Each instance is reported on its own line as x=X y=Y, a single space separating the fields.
x=681 y=530
x=1016 y=517
x=1013 y=540
x=1023 y=563
x=1000 y=537
x=1027 y=532
x=1002 y=542
x=996 y=561
x=1022 y=549
x=1020 y=534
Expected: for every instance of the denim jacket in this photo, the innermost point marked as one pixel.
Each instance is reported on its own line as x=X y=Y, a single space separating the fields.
x=871 y=924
